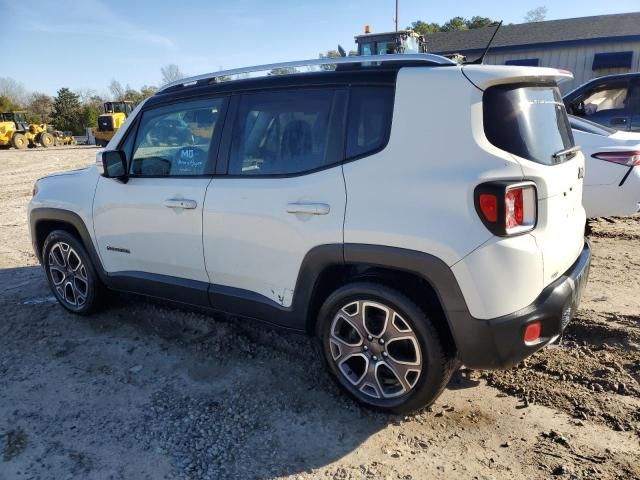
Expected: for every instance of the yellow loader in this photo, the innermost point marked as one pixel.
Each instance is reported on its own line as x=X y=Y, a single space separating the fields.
x=64 y=138
x=114 y=116
x=18 y=133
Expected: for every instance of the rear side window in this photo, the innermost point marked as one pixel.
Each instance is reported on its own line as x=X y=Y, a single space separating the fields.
x=370 y=112
x=287 y=132
x=175 y=140
x=529 y=121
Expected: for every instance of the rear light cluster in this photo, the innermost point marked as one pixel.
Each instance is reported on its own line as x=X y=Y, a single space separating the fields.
x=507 y=208
x=630 y=159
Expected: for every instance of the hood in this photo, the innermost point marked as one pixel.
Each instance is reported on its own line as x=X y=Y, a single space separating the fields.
x=77 y=171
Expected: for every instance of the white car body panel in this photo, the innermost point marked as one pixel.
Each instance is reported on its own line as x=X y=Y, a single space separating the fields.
x=422 y=198
x=161 y=240
x=251 y=242
x=603 y=194
x=394 y=200
x=72 y=191
x=559 y=233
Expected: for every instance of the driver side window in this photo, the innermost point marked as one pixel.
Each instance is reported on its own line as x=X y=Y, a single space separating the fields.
x=610 y=96
x=174 y=140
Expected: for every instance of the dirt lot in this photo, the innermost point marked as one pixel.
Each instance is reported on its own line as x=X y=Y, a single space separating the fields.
x=147 y=390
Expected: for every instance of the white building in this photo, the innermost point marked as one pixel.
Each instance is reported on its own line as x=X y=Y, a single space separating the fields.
x=588 y=46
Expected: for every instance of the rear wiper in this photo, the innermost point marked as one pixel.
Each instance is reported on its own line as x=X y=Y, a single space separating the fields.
x=565 y=152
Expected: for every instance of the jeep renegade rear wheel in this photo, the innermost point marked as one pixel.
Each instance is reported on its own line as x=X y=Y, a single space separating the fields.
x=70 y=273
x=382 y=348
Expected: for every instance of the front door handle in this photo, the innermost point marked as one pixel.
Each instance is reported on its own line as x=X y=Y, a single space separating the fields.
x=183 y=203
x=308 y=208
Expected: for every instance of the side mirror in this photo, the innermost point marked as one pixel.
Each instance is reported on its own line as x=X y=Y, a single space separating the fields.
x=112 y=164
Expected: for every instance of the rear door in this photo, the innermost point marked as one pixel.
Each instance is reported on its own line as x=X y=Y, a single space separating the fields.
x=529 y=120
x=280 y=191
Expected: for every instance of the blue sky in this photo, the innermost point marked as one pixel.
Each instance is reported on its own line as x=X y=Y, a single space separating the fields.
x=85 y=43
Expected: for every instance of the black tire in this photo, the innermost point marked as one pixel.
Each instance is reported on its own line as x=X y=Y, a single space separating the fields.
x=19 y=141
x=46 y=140
x=436 y=368
x=89 y=291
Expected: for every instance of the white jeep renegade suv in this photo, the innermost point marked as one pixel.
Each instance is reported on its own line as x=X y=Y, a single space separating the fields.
x=411 y=213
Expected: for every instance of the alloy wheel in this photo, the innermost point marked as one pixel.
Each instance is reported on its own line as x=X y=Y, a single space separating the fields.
x=375 y=350
x=68 y=275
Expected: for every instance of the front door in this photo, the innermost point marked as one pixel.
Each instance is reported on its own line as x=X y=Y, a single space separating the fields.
x=606 y=104
x=282 y=193
x=151 y=227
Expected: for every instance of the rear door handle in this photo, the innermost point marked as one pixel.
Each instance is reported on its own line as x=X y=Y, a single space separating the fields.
x=180 y=203
x=308 y=208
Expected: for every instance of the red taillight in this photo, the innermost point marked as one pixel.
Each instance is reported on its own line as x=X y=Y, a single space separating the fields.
x=630 y=158
x=507 y=208
x=514 y=208
x=533 y=332
x=489 y=207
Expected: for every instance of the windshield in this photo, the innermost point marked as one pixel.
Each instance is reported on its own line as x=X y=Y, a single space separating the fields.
x=528 y=120
x=590 y=127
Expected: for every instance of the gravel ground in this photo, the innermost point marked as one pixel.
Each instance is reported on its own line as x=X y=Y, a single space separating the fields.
x=150 y=390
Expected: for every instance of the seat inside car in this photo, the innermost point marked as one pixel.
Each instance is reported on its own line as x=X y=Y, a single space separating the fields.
x=296 y=142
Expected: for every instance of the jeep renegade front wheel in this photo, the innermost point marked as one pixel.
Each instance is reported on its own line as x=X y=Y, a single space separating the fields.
x=70 y=273
x=382 y=348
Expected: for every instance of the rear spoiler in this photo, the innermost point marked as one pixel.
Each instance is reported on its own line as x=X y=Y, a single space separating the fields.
x=485 y=76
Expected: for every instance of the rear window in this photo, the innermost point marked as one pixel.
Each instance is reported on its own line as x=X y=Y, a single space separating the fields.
x=287 y=132
x=529 y=121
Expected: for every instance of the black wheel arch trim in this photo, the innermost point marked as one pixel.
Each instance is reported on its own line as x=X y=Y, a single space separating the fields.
x=47 y=214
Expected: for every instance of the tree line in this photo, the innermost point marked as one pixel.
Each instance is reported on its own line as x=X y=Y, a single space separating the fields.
x=77 y=110
x=537 y=14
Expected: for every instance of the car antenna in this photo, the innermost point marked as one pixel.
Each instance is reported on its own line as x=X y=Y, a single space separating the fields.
x=341 y=51
x=480 y=59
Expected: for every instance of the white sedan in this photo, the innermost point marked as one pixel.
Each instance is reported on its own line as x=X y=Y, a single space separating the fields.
x=612 y=170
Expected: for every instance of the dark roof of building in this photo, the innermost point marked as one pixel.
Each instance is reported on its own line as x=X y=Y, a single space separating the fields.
x=570 y=30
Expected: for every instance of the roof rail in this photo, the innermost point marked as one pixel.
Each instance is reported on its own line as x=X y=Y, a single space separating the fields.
x=427 y=58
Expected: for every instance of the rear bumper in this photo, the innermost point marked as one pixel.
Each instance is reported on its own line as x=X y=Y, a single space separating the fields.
x=499 y=342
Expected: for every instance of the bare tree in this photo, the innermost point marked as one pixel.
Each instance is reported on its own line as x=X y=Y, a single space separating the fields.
x=171 y=73
x=538 y=14
x=117 y=90
x=13 y=90
x=85 y=94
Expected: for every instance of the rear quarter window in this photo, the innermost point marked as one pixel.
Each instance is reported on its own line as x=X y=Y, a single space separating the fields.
x=369 y=123
x=528 y=120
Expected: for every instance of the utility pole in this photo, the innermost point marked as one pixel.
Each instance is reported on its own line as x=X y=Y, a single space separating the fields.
x=397 y=1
